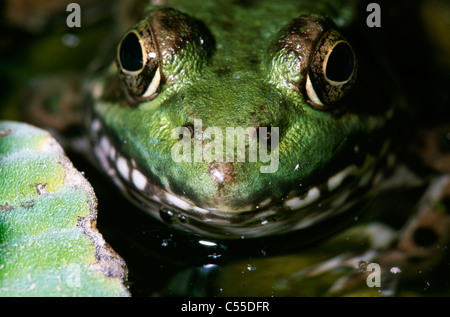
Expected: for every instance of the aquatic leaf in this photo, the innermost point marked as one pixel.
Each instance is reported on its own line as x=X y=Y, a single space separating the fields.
x=49 y=243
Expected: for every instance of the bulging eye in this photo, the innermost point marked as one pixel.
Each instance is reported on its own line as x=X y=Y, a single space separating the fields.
x=315 y=60
x=332 y=70
x=138 y=63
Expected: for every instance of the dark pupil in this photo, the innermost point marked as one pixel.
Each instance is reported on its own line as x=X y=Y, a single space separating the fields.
x=340 y=63
x=131 y=53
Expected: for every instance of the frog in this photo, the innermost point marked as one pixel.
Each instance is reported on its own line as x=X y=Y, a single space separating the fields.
x=169 y=59
x=292 y=81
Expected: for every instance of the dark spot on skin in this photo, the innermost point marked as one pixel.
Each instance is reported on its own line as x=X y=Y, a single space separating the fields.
x=27 y=204
x=222 y=71
x=5 y=207
x=40 y=189
x=246 y=3
x=190 y=127
x=254 y=60
x=425 y=237
x=266 y=139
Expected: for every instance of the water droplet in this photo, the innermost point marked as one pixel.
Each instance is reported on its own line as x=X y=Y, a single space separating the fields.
x=395 y=270
x=183 y=219
x=386 y=292
x=207 y=243
x=165 y=243
x=168 y=215
x=209 y=266
x=250 y=268
x=70 y=40
x=172 y=217
x=362 y=265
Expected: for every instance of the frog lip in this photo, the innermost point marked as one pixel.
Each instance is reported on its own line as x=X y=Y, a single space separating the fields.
x=163 y=203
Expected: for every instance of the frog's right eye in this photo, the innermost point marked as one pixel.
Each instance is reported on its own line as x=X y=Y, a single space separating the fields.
x=138 y=63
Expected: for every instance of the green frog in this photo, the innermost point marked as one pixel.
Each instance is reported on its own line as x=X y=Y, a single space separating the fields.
x=259 y=123
x=236 y=128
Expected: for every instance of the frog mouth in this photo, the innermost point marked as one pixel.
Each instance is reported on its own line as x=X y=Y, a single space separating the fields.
x=299 y=209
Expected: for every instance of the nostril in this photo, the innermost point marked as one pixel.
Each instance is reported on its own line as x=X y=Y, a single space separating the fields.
x=265 y=136
x=190 y=127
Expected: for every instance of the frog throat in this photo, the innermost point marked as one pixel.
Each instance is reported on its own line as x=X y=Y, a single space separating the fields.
x=299 y=210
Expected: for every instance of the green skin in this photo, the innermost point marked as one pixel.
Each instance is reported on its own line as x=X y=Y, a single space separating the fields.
x=240 y=79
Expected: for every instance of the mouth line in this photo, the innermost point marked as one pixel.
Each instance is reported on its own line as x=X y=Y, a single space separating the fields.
x=162 y=203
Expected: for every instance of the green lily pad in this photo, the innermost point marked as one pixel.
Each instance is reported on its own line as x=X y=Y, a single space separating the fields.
x=49 y=243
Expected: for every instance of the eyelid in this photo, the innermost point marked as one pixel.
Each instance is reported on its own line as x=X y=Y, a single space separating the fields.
x=304 y=51
x=154 y=84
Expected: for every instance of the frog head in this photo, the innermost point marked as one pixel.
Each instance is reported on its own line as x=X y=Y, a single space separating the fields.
x=237 y=129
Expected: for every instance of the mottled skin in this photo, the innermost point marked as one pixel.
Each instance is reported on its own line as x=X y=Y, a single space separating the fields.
x=241 y=67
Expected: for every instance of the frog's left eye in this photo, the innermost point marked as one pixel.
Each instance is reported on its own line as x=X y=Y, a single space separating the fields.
x=315 y=60
x=138 y=62
x=332 y=70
